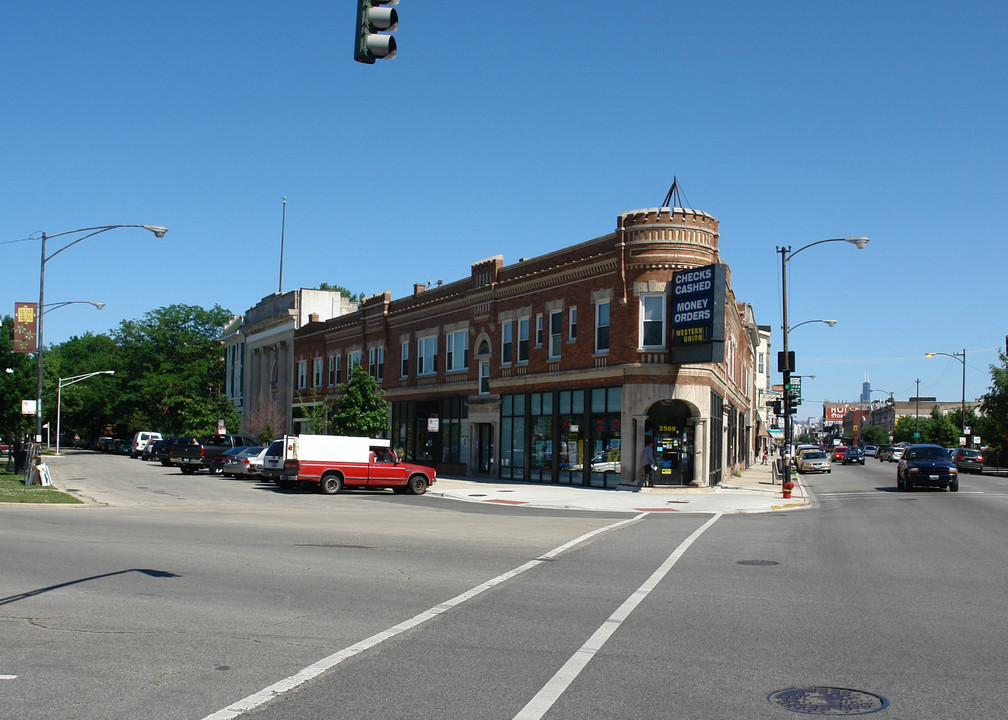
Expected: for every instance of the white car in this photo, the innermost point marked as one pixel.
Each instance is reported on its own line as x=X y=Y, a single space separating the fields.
x=255 y=462
x=897 y=453
x=814 y=461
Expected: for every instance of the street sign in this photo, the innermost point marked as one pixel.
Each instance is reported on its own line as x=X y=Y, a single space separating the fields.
x=796 y=386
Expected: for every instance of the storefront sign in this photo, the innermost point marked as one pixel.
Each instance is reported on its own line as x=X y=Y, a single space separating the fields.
x=698 y=314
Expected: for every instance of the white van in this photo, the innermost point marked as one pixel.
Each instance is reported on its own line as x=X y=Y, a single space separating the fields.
x=141 y=440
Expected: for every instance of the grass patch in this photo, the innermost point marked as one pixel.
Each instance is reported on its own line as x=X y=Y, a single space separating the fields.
x=13 y=490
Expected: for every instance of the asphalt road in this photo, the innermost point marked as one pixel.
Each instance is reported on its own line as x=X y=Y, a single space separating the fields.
x=198 y=597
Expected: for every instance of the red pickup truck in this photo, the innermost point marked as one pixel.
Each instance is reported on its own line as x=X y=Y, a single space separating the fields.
x=338 y=462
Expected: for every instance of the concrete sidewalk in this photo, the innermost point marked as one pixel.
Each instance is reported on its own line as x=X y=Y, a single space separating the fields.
x=750 y=492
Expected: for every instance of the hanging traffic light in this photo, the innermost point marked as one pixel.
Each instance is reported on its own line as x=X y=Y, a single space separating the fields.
x=777 y=407
x=793 y=402
x=372 y=16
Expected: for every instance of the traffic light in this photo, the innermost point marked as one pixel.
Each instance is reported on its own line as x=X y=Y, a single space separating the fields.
x=777 y=406
x=785 y=363
x=372 y=16
x=792 y=403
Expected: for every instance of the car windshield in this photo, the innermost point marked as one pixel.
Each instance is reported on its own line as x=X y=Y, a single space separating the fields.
x=811 y=455
x=934 y=453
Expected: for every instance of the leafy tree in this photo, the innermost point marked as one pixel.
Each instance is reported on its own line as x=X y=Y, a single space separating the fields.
x=353 y=297
x=994 y=404
x=315 y=413
x=939 y=429
x=15 y=386
x=361 y=408
x=874 y=435
x=905 y=428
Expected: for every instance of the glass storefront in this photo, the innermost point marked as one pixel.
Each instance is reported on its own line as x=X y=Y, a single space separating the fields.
x=433 y=432
x=564 y=421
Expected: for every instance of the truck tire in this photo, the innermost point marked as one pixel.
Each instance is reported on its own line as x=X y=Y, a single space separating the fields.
x=417 y=485
x=285 y=484
x=187 y=470
x=331 y=483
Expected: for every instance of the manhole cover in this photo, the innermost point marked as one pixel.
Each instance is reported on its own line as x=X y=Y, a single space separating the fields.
x=828 y=701
x=758 y=562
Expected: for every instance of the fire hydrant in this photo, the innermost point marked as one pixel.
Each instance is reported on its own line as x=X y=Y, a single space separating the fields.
x=788 y=487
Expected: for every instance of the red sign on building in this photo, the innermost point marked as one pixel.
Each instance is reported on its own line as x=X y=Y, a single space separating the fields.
x=25 y=327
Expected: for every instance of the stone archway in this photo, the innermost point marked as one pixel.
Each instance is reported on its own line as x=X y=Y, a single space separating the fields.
x=672 y=425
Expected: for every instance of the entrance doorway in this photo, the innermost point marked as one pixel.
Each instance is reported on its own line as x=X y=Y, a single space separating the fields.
x=485 y=448
x=670 y=424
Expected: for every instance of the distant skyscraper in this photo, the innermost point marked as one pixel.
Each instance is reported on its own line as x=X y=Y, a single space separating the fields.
x=866 y=391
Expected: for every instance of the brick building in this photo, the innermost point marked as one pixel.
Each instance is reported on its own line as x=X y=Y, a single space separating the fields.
x=555 y=368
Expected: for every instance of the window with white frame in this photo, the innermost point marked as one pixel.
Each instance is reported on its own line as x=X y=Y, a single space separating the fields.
x=484 y=377
x=376 y=363
x=652 y=329
x=317 y=372
x=302 y=374
x=404 y=361
x=602 y=326
x=427 y=355
x=457 y=351
x=572 y=324
x=332 y=370
x=507 y=343
x=353 y=361
x=539 y=330
x=523 y=340
x=555 y=332
x=761 y=355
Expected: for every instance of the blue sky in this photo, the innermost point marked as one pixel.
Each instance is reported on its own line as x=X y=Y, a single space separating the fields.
x=518 y=128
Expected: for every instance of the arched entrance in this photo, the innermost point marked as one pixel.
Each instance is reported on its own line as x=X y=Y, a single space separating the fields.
x=670 y=424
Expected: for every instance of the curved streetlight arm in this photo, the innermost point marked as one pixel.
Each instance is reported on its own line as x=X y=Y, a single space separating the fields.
x=53 y=306
x=961 y=357
x=858 y=242
x=831 y=323
x=158 y=230
x=63 y=382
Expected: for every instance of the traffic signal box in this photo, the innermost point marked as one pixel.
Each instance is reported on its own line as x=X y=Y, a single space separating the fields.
x=373 y=16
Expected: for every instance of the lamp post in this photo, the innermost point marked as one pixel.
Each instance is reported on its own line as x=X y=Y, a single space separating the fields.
x=159 y=232
x=961 y=357
x=786 y=254
x=63 y=382
x=54 y=306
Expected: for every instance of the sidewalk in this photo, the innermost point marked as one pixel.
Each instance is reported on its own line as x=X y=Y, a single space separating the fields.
x=750 y=492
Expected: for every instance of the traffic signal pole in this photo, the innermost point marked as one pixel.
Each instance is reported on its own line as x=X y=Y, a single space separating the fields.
x=785 y=453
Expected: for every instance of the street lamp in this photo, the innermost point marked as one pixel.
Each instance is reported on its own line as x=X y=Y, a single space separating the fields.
x=961 y=357
x=786 y=254
x=831 y=323
x=63 y=382
x=159 y=232
x=54 y=306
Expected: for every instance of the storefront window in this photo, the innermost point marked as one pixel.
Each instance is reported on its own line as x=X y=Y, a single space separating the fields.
x=541 y=466
x=571 y=440
x=606 y=436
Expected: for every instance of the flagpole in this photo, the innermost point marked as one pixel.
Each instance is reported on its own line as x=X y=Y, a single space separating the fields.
x=283 y=224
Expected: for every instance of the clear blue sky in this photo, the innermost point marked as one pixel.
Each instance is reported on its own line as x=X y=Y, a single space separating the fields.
x=518 y=128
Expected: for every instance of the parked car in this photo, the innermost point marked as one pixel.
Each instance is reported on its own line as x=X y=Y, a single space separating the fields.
x=255 y=462
x=205 y=453
x=869 y=450
x=897 y=453
x=853 y=456
x=926 y=465
x=800 y=450
x=120 y=446
x=141 y=440
x=838 y=452
x=232 y=460
x=814 y=461
x=273 y=461
x=968 y=460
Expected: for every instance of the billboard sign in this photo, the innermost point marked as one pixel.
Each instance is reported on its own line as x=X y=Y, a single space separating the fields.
x=698 y=314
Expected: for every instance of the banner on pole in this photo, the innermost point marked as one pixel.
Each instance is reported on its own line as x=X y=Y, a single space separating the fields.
x=25 y=327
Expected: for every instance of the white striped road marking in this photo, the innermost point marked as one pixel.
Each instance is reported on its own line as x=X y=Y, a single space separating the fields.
x=8 y=677
x=256 y=699
x=545 y=698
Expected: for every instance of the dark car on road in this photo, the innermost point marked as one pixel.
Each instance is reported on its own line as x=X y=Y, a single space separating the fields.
x=968 y=460
x=852 y=456
x=926 y=466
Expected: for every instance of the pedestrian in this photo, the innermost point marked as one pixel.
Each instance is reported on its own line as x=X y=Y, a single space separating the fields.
x=764 y=457
x=648 y=465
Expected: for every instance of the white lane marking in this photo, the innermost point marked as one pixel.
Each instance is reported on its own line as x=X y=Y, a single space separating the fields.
x=327 y=663
x=8 y=677
x=545 y=698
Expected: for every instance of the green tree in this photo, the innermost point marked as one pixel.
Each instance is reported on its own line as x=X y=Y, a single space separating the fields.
x=904 y=430
x=361 y=408
x=994 y=406
x=15 y=386
x=353 y=297
x=315 y=413
x=874 y=435
x=939 y=429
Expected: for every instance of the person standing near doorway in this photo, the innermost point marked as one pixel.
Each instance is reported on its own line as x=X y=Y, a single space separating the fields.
x=647 y=465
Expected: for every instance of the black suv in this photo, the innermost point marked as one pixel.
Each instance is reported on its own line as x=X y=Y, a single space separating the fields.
x=928 y=466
